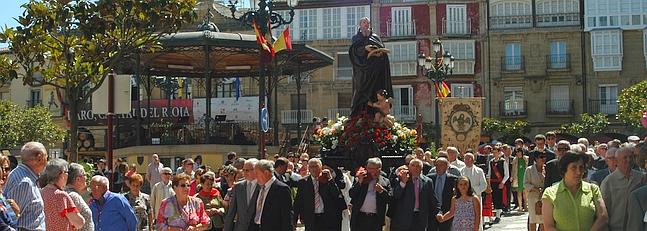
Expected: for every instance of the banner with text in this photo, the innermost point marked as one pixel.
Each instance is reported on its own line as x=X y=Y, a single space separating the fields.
x=173 y=110
x=460 y=120
x=245 y=109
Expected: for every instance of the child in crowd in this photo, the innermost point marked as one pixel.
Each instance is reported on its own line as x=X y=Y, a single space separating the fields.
x=466 y=207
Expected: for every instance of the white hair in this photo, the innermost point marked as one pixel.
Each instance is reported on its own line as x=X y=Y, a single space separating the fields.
x=315 y=161
x=265 y=165
x=374 y=161
x=584 y=141
x=101 y=180
x=452 y=149
x=31 y=150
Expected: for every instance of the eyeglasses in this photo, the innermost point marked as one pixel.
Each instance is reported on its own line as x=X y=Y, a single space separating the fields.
x=562 y=149
x=6 y=169
x=184 y=185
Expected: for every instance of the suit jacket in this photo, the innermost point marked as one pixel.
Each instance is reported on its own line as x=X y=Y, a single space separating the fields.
x=637 y=209
x=239 y=210
x=404 y=202
x=277 y=209
x=451 y=169
x=333 y=202
x=553 y=175
x=358 y=194
x=285 y=180
x=599 y=175
x=448 y=191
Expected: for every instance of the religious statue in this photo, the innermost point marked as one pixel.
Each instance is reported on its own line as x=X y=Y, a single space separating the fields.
x=371 y=69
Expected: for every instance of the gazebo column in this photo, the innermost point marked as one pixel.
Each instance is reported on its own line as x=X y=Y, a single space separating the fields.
x=138 y=114
x=207 y=75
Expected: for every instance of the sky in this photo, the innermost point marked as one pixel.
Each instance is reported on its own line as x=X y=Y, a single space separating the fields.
x=9 y=10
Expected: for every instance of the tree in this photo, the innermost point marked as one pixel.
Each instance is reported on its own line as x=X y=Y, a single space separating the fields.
x=632 y=102
x=20 y=125
x=74 y=44
x=507 y=131
x=588 y=125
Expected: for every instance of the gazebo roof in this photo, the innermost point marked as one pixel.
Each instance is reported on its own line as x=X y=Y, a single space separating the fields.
x=230 y=54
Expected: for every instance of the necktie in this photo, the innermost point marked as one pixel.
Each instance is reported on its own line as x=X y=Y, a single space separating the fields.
x=259 y=205
x=317 y=196
x=416 y=193
x=439 y=189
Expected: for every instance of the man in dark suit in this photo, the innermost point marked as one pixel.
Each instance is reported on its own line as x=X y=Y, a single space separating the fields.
x=281 y=172
x=242 y=204
x=553 y=175
x=540 y=148
x=599 y=175
x=444 y=190
x=319 y=201
x=369 y=197
x=274 y=204
x=413 y=198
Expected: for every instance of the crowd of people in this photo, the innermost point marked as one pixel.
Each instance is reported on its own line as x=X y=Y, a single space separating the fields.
x=562 y=186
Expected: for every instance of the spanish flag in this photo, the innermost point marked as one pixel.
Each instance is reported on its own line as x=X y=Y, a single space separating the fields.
x=442 y=89
x=284 y=42
x=267 y=51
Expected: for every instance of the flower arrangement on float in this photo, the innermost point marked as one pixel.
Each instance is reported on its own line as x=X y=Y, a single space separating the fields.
x=362 y=130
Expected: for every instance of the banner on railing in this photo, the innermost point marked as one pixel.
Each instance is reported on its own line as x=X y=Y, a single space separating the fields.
x=245 y=109
x=460 y=120
x=177 y=109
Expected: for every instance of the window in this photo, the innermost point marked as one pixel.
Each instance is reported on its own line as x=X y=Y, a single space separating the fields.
x=401 y=22
x=331 y=23
x=353 y=14
x=456 y=21
x=276 y=32
x=35 y=98
x=558 y=57
x=509 y=14
x=513 y=101
x=463 y=52
x=608 y=99
x=403 y=107
x=344 y=67
x=607 y=50
x=557 y=12
x=225 y=90
x=512 y=58
x=308 y=24
x=403 y=58
x=560 y=102
x=462 y=90
x=296 y=100
x=626 y=14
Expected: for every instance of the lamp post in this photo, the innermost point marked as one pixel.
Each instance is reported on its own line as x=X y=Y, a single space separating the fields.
x=436 y=68
x=266 y=19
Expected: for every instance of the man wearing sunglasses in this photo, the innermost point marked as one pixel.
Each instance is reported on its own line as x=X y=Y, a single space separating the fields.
x=540 y=148
x=162 y=190
x=553 y=174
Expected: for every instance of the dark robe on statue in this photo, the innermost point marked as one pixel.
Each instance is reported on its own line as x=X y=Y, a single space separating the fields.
x=369 y=74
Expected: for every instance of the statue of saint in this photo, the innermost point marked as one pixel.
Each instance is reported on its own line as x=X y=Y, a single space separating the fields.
x=371 y=69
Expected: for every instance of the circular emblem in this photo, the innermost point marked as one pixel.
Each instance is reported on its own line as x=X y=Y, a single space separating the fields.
x=461 y=120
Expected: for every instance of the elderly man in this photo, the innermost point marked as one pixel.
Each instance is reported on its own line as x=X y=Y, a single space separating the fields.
x=21 y=186
x=616 y=188
x=369 y=196
x=601 y=153
x=110 y=210
x=553 y=175
x=451 y=168
x=154 y=170
x=413 y=198
x=241 y=207
x=187 y=167
x=610 y=160
x=444 y=183
x=420 y=154
x=162 y=189
x=319 y=201
x=274 y=204
x=452 y=156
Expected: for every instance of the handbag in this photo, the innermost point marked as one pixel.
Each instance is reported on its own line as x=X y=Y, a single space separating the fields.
x=538 y=205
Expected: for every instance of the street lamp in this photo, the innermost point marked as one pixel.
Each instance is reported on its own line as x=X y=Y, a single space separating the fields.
x=436 y=68
x=266 y=19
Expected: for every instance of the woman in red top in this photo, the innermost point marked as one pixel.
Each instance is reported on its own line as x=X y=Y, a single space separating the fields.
x=60 y=211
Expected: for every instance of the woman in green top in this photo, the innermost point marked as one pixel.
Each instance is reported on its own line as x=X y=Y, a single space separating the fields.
x=519 y=164
x=213 y=203
x=573 y=204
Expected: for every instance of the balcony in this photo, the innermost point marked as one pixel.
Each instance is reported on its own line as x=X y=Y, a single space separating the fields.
x=560 y=107
x=604 y=106
x=404 y=113
x=562 y=19
x=513 y=109
x=456 y=28
x=512 y=63
x=403 y=29
x=334 y=113
x=34 y=103
x=511 y=22
x=560 y=62
x=290 y=116
x=463 y=67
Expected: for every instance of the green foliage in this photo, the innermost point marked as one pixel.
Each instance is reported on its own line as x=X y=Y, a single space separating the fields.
x=632 y=102
x=505 y=131
x=20 y=125
x=73 y=44
x=588 y=125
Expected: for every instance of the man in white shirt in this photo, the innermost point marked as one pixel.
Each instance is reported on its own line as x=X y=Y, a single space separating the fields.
x=154 y=170
x=476 y=176
x=161 y=190
x=274 y=203
x=452 y=156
